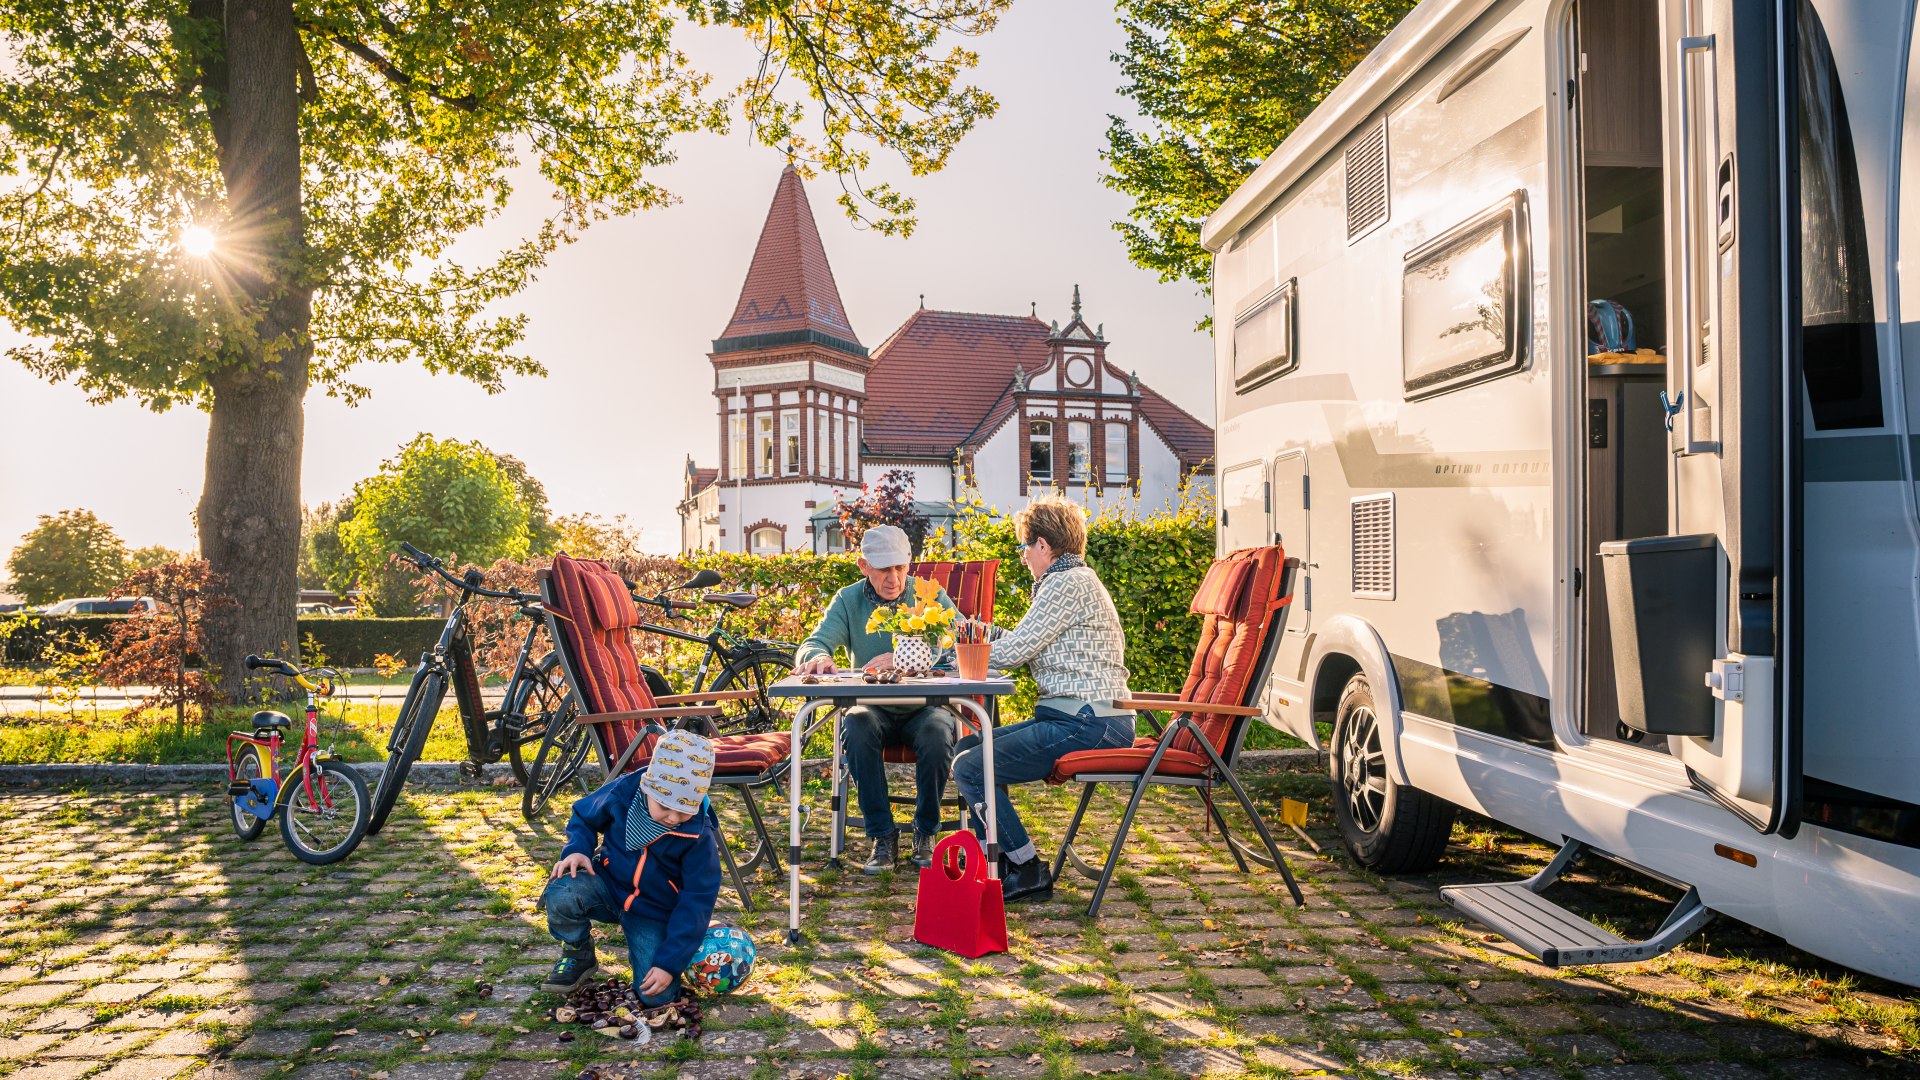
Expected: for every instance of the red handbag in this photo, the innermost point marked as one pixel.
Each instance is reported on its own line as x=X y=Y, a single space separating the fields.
x=960 y=908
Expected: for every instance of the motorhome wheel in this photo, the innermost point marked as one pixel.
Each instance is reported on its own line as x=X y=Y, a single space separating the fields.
x=1386 y=826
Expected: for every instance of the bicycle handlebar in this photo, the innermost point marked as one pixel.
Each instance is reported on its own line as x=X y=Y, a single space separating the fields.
x=298 y=675
x=470 y=583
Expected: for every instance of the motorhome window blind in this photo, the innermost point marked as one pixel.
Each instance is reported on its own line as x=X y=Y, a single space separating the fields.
x=1263 y=340
x=1463 y=309
x=1367 y=181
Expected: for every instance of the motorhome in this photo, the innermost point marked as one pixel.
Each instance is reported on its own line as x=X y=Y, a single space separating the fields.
x=1563 y=348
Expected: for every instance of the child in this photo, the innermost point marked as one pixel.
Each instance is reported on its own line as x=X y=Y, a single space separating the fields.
x=656 y=874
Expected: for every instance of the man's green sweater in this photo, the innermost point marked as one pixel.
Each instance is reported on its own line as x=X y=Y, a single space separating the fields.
x=845 y=626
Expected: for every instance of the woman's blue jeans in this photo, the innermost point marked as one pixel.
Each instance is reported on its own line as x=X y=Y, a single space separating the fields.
x=1024 y=753
x=575 y=903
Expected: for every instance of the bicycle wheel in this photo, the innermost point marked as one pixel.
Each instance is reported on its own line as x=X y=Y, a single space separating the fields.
x=324 y=815
x=755 y=671
x=540 y=697
x=251 y=765
x=408 y=739
x=563 y=751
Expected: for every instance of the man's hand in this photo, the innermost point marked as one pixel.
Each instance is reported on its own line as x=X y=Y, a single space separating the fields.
x=656 y=981
x=882 y=662
x=819 y=665
x=572 y=865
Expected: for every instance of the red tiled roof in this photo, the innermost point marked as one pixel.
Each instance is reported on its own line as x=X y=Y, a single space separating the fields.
x=789 y=285
x=702 y=479
x=1188 y=436
x=969 y=357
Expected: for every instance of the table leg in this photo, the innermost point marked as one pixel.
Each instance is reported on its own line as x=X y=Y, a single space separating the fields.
x=838 y=826
x=993 y=801
x=800 y=718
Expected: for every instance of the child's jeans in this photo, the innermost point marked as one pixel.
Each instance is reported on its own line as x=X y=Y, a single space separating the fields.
x=575 y=903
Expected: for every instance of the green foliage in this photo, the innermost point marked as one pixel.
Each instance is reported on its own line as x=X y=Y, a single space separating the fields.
x=71 y=553
x=1151 y=564
x=447 y=498
x=1219 y=84
x=590 y=536
x=543 y=534
x=412 y=127
x=324 y=562
x=360 y=642
x=147 y=558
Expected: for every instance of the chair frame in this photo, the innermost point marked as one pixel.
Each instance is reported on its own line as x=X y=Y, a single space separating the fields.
x=1218 y=768
x=669 y=711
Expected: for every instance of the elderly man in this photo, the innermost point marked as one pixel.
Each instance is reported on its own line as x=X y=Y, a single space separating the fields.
x=929 y=730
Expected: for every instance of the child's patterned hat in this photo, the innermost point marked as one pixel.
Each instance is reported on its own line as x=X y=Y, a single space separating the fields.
x=680 y=772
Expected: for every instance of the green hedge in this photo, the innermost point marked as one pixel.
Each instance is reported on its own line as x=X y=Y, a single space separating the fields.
x=355 y=641
x=347 y=642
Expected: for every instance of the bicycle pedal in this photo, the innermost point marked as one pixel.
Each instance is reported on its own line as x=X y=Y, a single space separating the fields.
x=470 y=770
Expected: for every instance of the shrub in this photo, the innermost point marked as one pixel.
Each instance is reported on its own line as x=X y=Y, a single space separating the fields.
x=153 y=648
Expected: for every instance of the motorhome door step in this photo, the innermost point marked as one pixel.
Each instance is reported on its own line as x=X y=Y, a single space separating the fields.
x=1516 y=911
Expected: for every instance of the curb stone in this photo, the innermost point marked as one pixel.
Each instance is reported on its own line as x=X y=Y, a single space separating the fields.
x=441 y=773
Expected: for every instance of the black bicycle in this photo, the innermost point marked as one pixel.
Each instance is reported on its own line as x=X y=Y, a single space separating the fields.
x=745 y=663
x=533 y=703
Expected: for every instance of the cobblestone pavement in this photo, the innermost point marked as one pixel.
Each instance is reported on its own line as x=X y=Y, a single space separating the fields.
x=141 y=940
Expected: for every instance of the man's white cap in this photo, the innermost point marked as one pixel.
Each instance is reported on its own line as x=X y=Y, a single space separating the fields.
x=885 y=545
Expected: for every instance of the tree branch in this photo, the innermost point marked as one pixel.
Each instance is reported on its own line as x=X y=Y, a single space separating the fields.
x=386 y=67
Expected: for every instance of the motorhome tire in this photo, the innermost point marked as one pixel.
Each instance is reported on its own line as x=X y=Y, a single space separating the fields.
x=1386 y=826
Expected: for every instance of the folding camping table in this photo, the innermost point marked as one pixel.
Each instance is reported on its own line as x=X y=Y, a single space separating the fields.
x=847 y=688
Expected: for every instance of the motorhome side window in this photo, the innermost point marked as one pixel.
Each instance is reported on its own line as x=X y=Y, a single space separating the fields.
x=1463 y=314
x=1262 y=306
x=1842 y=354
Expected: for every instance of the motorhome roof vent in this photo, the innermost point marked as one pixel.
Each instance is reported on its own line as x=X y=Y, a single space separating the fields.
x=1373 y=546
x=1367 y=181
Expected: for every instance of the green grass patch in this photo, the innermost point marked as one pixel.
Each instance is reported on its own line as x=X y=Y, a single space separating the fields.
x=356 y=731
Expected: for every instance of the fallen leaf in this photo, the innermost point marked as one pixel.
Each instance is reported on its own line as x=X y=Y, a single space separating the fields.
x=349 y=1031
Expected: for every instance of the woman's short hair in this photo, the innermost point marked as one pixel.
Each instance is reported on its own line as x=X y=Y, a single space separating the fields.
x=1059 y=521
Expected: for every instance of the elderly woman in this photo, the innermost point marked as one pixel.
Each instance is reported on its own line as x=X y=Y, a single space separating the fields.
x=1071 y=642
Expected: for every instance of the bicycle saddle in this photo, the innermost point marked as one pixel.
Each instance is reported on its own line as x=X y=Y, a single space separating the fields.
x=267 y=718
x=733 y=599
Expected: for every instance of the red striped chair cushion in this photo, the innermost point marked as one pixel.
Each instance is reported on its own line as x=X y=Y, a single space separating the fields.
x=1236 y=617
x=1128 y=761
x=595 y=613
x=738 y=755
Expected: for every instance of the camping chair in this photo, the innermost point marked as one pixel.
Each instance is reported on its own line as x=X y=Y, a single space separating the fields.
x=590 y=614
x=970 y=585
x=1242 y=605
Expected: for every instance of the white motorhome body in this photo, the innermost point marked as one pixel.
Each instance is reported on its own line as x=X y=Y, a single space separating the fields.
x=1657 y=598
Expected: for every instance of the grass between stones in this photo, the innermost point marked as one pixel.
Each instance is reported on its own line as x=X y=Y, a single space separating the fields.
x=142 y=938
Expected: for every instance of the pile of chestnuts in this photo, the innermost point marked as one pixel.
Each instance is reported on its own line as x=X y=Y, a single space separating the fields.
x=613 y=1008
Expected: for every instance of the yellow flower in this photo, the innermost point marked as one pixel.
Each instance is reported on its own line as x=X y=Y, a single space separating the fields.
x=915 y=622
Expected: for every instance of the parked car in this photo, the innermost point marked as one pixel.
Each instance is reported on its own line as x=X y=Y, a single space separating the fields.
x=314 y=609
x=8 y=609
x=100 y=605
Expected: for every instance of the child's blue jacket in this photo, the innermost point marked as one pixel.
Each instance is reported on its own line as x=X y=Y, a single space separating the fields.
x=674 y=880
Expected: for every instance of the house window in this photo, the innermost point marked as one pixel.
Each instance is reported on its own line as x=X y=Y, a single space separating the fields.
x=767 y=541
x=1079 y=451
x=839 y=446
x=790 y=429
x=835 y=541
x=737 y=446
x=1040 y=450
x=764 y=427
x=1116 y=453
x=853 y=447
x=822 y=449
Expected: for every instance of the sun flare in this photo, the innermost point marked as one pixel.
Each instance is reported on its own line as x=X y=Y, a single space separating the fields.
x=197 y=241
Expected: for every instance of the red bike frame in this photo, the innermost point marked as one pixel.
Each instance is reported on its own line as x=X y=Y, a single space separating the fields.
x=310 y=778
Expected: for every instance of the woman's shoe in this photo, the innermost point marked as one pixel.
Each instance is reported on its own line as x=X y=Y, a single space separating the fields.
x=1030 y=880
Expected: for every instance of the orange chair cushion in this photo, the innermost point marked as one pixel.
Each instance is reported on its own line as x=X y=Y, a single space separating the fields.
x=738 y=755
x=1131 y=760
x=595 y=614
x=1236 y=602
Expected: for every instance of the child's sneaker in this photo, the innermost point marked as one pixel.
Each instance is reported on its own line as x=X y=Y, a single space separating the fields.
x=570 y=974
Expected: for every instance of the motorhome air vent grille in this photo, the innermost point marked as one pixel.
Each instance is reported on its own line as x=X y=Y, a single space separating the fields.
x=1373 y=546
x=1367 y=181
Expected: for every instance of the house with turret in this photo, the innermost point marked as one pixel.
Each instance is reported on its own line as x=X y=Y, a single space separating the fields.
x=1006 y=405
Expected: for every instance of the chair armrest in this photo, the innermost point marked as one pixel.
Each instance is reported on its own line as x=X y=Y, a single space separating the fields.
x=1139 y=696
x=650 y=714
x=716 y=695
x=1177 y=706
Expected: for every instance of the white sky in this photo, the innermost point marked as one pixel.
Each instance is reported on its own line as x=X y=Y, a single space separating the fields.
x=623 y=319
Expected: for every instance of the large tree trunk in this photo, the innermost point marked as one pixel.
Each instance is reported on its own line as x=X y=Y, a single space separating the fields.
x=249 y=518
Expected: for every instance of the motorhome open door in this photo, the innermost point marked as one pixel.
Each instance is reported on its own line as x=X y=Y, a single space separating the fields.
x=1733 y=202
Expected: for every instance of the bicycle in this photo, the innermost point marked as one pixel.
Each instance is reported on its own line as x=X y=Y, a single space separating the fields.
x=747 y=663
x=534 y=698
x=312 y=821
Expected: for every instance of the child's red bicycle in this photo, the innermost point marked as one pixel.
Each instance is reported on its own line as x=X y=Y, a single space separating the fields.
x=322 y=803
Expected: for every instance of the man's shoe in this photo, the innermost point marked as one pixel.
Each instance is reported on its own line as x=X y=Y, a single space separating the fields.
x=1030 y=880
x=886 y=853
x=570 y=974
x=922 y=849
